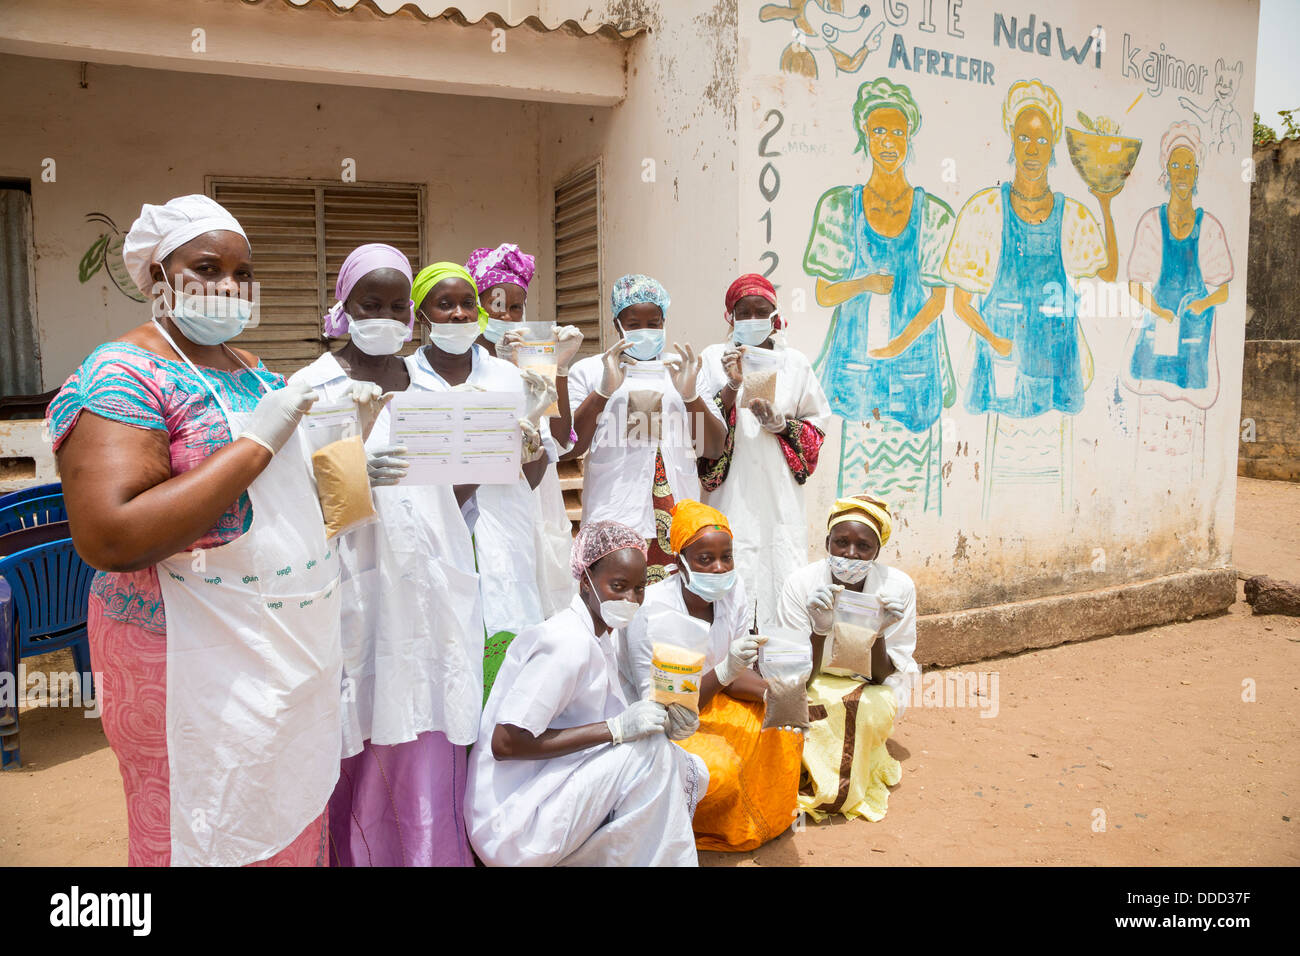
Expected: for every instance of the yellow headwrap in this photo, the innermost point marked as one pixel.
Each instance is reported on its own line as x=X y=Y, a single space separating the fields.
x=430 y=276
x=1031 y=93
x=690 y=518
x=863 y=508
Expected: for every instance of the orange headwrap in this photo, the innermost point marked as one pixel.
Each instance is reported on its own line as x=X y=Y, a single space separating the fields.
x=690 y=518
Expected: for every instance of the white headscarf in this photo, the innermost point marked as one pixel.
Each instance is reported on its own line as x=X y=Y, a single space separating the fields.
x=161 y=230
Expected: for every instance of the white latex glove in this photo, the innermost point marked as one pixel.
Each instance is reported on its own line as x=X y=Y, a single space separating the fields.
x=539 y=395
x=277 y=414
x=740 y=657
x=568 y=340
x=681 y=722
x=821 y=607
x=467 y=387
x=771 y=420
x=386 y=465
x=612 y=363
x=370 y=400
x=684 y=368
x=731 y=360
x=892 y=603
x=532 y=447
x=645 y=718
x=506 y=347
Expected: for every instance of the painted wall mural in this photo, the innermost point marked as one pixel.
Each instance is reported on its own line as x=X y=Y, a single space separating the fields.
x=950 y=210
x=106 y=253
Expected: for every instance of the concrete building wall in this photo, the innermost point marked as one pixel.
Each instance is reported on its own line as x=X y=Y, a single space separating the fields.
x=137 y=135
x=1270 y=402
x=1124 y=489
x=670 y=188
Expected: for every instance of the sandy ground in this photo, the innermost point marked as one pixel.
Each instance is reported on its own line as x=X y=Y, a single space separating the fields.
x=1146 y=733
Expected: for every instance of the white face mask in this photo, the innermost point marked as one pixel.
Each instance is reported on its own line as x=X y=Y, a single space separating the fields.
x=497 y=328
x=751 y=331
x=454 y=338
x=377 y=336
x=615 y=614
x=209 y=319
x=849 y=570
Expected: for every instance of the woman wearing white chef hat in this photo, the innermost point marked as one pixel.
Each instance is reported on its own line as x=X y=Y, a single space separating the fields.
x=214 y=620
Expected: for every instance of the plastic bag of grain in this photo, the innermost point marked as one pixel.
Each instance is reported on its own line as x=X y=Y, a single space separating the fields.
x=537 y=352
x=785 y=662
x=758 y=369
x=855 y=628
x=645 y=399
x=343 y=485
x=679 y=646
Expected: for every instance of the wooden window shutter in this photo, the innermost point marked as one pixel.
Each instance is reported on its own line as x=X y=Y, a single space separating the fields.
x=577 y=256
x=301 y=231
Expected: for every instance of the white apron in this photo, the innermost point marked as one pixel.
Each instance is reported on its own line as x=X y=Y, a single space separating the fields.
x=253 y=670
x=761 y=499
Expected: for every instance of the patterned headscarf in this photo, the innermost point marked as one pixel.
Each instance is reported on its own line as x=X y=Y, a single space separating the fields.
x=360 y=262
x=634 y=289
x=430 y=276
x=599 y=538
x=864 y=508
x=505 y=263
x=751 y=283
x=691 y=519
x=878 y=93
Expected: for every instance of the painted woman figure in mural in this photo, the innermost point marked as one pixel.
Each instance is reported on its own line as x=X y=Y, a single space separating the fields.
x=876 y=250
x=1179 y=271
x=1016 y=246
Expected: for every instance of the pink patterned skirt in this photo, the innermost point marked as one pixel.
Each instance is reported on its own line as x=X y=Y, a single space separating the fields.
x=131 y=662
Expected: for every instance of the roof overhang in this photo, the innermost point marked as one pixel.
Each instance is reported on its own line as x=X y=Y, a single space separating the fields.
x=319 y=41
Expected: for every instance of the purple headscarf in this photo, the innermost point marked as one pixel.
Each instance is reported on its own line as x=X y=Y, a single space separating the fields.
x=360 y=262
x=505 y=263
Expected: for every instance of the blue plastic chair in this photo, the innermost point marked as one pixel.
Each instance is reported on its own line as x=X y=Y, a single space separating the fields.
x=50 y=587
x=35 y=491
x=8 y=705
x=32 y=512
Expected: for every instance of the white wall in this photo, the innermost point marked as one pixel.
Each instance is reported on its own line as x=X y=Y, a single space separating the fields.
x=137 y=135
x=1128 y=514
x=679 y=226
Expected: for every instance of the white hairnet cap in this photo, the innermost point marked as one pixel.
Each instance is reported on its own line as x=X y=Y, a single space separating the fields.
x=161 y=230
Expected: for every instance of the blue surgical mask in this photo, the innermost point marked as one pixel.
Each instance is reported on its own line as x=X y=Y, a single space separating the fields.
x=646 y=344
x=209 y=319
x=751 y=331
x=497 y=328
x=711 y=586
x=849 y=570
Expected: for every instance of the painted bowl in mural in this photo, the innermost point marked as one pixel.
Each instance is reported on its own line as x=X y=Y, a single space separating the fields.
x=1103 y=161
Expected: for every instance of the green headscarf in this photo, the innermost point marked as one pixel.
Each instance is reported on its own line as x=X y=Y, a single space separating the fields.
x=879 y=92
x=430 y=276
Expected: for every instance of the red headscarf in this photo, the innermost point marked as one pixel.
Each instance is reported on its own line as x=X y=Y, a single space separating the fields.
x=752 y=284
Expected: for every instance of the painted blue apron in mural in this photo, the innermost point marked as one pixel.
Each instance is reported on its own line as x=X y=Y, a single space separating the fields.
x=1180 y=283
x=1032 y=304
x=908 y=388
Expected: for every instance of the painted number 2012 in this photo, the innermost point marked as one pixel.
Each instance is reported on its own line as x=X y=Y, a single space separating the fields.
x=769 y=186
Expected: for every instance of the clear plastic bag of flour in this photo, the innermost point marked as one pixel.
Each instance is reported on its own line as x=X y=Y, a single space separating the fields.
x=785 y=662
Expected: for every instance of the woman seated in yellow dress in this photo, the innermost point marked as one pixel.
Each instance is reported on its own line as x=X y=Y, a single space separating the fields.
x=846 y=766
x=753 y=773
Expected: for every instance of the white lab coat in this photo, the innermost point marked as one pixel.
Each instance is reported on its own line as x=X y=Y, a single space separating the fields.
x=899 y=636
x=506 y=533
x=760 y=497
x=408 y=665
x=624 y=805
x=619 y=473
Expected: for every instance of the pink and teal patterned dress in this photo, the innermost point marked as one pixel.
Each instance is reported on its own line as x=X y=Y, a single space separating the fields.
x=127 y=621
